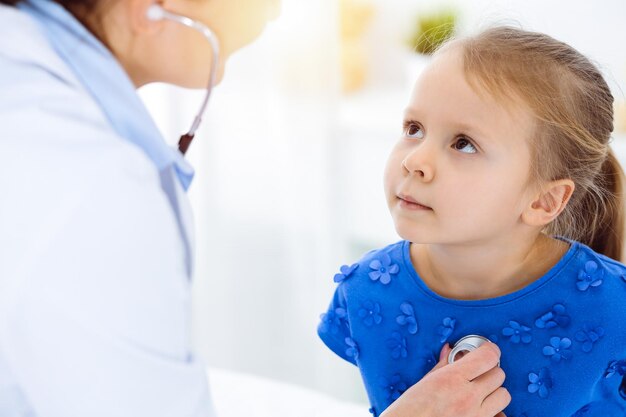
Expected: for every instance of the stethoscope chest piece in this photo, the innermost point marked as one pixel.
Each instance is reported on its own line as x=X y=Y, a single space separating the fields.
x=464 y=345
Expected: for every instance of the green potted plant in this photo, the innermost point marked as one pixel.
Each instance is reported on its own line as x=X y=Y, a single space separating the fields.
x=432 y=30
x=428 y=33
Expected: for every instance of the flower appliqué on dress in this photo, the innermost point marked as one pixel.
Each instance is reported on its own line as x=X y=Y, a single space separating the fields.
x=615 y=367
x=333 y=320
x=407 y=318
x=589 y=277
x=394 y=387
x=353 y=349
x=517 y=332
x=344 y=272
x=619 y=368
x=446 y=329
x=540 y=383
x=429 y=359
x=588 y=336
x=370 y=313
x=558 y=349
x=397 y=345
x=553 y=318
x=383 y=269
x=582 y=411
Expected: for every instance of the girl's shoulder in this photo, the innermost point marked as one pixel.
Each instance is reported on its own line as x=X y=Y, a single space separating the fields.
x=379 y=264
x=592 y=260
x=595 y=271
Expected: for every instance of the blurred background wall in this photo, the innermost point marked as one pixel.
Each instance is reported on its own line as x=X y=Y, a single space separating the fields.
x=289 y=164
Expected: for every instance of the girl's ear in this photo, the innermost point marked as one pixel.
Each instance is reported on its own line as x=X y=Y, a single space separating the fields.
x=548 y=203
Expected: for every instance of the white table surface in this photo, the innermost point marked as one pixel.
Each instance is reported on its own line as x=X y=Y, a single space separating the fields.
x=242 y=395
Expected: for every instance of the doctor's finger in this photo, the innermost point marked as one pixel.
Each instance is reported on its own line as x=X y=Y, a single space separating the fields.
x=489 y=381
x=496 y=402
x=443 y=357
x=478 y=361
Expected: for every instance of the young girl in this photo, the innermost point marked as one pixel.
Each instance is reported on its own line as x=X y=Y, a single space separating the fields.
x=510 y=202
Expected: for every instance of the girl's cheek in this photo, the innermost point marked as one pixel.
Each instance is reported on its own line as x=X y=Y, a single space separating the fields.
x=393 y=169
x=387 y=174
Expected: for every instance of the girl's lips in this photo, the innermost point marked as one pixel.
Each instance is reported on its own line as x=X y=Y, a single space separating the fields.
x=410 y=203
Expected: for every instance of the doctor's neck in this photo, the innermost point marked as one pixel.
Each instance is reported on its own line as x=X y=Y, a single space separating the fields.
x=165 y=51
x=153 y=51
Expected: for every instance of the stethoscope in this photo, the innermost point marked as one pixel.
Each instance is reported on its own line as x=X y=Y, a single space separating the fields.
x=464 y=345
x=156 y=12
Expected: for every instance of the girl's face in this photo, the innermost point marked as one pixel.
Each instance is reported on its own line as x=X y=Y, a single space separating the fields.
x=463 y=156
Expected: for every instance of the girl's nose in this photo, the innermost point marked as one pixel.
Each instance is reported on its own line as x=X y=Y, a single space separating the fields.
x=419 y=161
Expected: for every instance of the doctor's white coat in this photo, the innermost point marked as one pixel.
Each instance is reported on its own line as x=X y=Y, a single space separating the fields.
x=94 y=286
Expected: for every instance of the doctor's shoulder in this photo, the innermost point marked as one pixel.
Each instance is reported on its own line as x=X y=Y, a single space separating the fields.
x=50 y=127
x=57 y=149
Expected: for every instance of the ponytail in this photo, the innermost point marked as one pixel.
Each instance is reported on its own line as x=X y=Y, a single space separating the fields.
x=605 y=216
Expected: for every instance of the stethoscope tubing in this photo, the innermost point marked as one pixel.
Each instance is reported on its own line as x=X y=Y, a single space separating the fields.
x=185 y=140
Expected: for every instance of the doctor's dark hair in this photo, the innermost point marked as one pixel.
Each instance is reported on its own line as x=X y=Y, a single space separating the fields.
x=573 y=108
x=86 y=12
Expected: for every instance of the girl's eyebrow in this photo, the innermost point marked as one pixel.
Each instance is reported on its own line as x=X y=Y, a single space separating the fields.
x=471 y=128
x=409 y=111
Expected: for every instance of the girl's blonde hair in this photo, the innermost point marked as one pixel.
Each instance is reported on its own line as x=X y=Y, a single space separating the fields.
x=573 y=106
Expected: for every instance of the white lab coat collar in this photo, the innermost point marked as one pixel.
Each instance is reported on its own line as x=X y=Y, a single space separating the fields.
x=26 y=43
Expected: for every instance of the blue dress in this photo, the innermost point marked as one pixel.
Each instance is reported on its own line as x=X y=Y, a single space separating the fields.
x=563 y=337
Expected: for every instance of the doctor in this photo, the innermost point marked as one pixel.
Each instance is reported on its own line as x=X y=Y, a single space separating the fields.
x=96 y=242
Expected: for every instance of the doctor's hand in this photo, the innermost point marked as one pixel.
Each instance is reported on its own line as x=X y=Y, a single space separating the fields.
x=469 y=387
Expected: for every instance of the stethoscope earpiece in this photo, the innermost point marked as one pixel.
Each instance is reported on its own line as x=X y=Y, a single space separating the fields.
x=155 y=12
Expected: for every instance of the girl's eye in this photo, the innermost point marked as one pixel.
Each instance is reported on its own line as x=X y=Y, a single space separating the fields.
x=464 y=145
x=413 y=130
